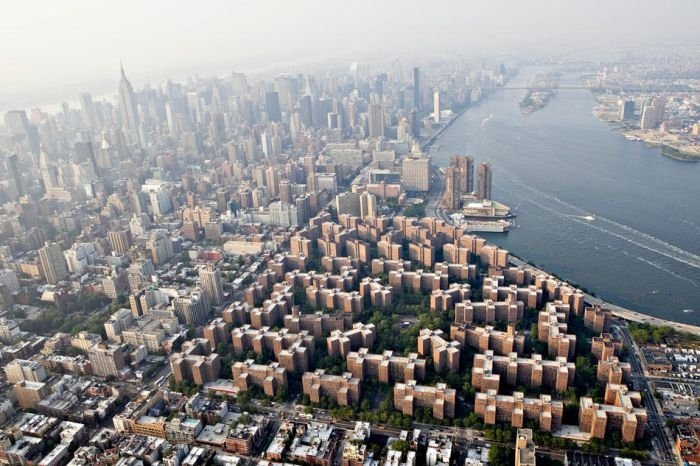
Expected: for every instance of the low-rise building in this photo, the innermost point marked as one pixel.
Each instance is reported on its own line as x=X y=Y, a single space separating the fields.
x=315 y=443
x=29 y=393
x=524 y=448
x=244 y=438
x=182 y=429
x=688 y=442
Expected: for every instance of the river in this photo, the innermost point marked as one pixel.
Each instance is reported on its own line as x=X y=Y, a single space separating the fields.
x=612 y=215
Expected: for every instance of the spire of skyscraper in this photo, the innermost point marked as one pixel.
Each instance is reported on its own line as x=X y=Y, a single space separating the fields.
x=48 y=174
x=127 y=106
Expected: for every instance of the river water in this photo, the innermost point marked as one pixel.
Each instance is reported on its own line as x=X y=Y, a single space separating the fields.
x=559 y=167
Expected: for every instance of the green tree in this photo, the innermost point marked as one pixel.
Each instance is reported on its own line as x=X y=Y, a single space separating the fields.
x=400 y=445
x=500 y=455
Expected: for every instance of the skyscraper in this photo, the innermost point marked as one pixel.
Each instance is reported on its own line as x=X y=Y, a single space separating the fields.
x=87 y=111
x=272 y=104
x=416 y=88
x=626 y=109
x=653 y=114
x=465 y=163
x=483 y=186
x=107 y=359
x=648 y=120
x=13 y=166
x=452 y=178
x=375 y=121
x=415 y=173
x=415 y=123
x=286 y=195
x=659 y=104
x=368 y=205
x=211 y=284
x=21 y=132
x=348 y=203
x=272 y=180
x=306 y=110
x=119 y=240
x=129 y=110
x=48 y=172
x=17 y=122
x=436 y=105
x=193 y=309
x=53 y=263
x=161 y=247
x=286 y=87
x=239 y=83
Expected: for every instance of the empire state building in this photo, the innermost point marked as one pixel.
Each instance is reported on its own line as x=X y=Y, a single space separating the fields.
x=129 y=111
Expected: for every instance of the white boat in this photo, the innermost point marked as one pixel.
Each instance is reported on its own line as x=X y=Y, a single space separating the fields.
x=486 y=226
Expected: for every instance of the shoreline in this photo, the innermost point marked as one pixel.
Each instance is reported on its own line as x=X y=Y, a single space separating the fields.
x=677 y=154
x=432 y=139
x=605 y=111
x=619 y=311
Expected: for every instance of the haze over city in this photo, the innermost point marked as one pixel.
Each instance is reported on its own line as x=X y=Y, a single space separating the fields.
x=50 y=50
x=375 y=233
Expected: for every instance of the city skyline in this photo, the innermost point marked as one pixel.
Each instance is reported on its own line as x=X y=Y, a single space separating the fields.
x=91 y=47
x=398 y=234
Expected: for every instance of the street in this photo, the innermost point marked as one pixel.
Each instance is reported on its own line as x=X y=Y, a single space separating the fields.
x=656 y=427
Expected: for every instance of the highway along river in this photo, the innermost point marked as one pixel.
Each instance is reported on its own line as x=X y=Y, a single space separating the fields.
x=612 y=215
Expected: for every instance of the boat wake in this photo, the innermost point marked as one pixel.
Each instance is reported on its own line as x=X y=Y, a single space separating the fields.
x=644 y=241
x=687 y=222
x=670 y=272
x=613 y=228
x=485 y=120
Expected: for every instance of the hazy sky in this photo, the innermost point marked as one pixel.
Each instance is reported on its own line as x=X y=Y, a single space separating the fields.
x=51 y=45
